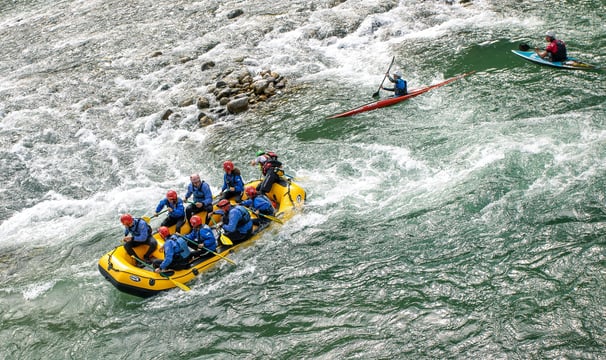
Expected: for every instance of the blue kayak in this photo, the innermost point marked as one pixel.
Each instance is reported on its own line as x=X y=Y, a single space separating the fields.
x=569 y=63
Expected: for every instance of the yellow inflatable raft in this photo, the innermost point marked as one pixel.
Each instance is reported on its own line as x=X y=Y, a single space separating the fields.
x=121 y=270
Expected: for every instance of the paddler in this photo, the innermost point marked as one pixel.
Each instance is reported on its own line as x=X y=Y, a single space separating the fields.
x=400 y=86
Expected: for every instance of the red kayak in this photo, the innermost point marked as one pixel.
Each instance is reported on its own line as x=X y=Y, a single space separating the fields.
x=394 y=100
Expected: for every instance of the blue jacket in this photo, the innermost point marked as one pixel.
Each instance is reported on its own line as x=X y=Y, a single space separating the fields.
x=140 y=230
x=231 y=180
x=175 y=249
x=261 y=203
x=204 y=235
x=400 y=88
x=202 y=193
x=238 y=220
x=178 y=209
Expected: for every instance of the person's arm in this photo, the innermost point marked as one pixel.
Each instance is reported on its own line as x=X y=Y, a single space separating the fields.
x=179 y=210
x=168 y=257
x=142 y=230
x=160 y=206
x=208 y=195
x=190 y=190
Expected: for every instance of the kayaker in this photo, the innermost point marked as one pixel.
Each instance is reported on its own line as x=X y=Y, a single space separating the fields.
x=237 y=223
x=201 y=237
x=202 y=197
x=259 y=204
x=400 y=86
x=137 y=232
x=270 y=167
x=233 y=185
x=176 y=252
x=555 y=50
x=176 y=211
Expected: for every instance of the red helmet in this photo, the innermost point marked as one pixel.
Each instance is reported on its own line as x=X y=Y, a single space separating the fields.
x=228 y=166
x=250 y=191
x=223 y=203
x=126 y=219
x=195 y=221
x=164 y=232
x=171 y=195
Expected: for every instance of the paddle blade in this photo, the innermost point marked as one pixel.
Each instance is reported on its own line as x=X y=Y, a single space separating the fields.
x=226 y=240
x=273 y=218
x=146 y=219
x=180 y=285
x=376 y=95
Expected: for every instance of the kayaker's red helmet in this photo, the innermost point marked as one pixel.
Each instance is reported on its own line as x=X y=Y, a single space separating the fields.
x=171 y=195
x=164 y=232
x=223 y=204
x=250 y=191
x=195 y=221
x=126 y=219
x=228 y=166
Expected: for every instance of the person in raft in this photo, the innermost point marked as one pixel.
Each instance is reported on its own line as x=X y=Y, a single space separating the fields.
x=555 y=50
x=400 y=85
x=176 y=211
x=201 y=237
x=203 y=197
x=176 y=252
x=233 y=185
x=237 y=224
x=137 y=232
x=270 y=167
x=259 y=204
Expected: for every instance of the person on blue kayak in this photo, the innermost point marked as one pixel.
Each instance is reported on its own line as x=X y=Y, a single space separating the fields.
x=555 y=50
x=400 y=86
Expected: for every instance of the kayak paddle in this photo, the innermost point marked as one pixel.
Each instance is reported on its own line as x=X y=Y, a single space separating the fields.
x=376 y=94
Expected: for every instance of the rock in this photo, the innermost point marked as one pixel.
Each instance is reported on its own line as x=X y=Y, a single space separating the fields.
x=203 y=103
x=238 y=105
x=156 y=54
x=186 y=102
x=234 y=13
x=166 y=114
x=204 y=120
x=207 y=65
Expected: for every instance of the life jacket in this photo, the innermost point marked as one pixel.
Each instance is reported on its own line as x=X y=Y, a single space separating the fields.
x=560 y=54
x=198 y=192
x=270 y=163
x=134 y=229
x=245 y=218
x=401 y=87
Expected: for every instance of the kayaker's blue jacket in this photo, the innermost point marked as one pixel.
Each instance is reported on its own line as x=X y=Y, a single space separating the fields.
x=400 y=88
x=203 y=235
x=202 y=193
x=178 y=209
x=140 y=230
x=238 y=220
x=175 y=249
x=232 y=180
x=261 y=203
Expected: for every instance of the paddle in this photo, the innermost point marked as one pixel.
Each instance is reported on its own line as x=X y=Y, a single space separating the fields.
x=225 y=240
x=272 y=218
x=376 y=94
x=177 y=284
x=147 y=219
x=210 y=251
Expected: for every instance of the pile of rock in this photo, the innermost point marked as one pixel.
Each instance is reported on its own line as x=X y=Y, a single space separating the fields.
x=234 y=92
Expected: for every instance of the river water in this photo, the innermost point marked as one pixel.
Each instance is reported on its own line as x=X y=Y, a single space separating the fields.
x=467 y=222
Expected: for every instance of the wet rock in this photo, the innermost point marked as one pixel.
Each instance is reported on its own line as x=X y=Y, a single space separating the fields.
x=203 y=103
x=237 y=106
x=235 y=13
x=186 y=102
x=207 y=65
x=166 y=114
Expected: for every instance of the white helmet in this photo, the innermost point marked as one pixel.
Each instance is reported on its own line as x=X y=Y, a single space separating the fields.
x=551 y=34
x=398 y=73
